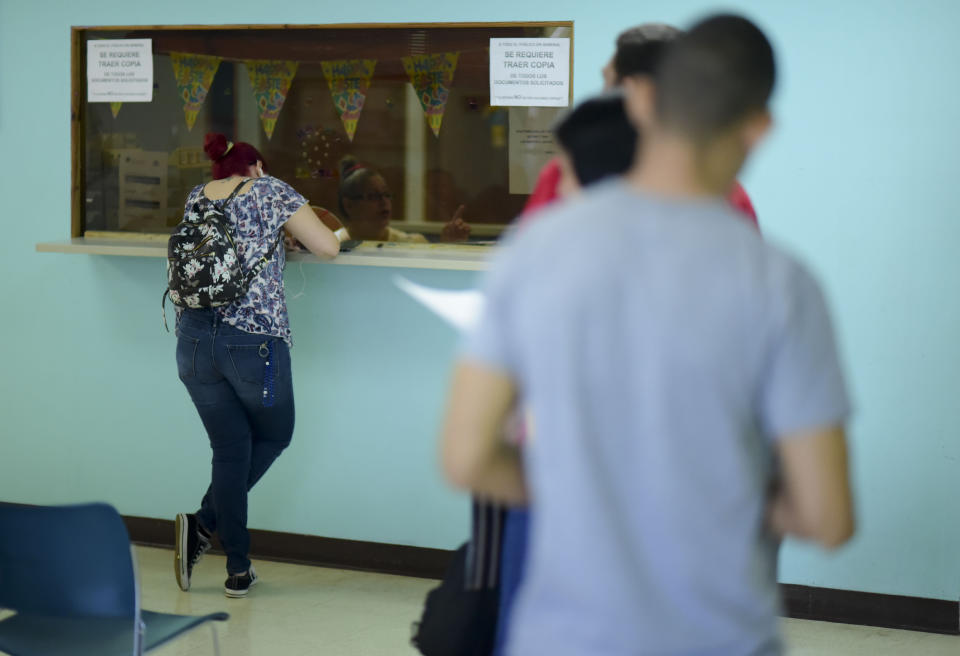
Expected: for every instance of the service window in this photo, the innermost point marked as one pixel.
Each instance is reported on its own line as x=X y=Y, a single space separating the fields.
x=412 y=102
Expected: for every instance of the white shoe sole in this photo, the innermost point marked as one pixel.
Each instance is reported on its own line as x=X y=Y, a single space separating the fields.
x=179 y=560
x=240 y=594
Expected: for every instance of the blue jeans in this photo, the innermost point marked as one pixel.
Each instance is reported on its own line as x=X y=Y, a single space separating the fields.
x=242 y=387
x=513 y=564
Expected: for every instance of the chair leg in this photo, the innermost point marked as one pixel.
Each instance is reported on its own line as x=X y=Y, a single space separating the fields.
x=216 y=643
x=141 y=629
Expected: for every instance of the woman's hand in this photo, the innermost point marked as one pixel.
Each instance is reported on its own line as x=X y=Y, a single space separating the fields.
x=456 y=229
x=292 y=244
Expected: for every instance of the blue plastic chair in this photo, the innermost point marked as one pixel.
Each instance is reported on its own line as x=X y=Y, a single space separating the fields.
x=68 y=572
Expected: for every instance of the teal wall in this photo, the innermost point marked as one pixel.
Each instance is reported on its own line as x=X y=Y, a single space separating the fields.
x=856 y=179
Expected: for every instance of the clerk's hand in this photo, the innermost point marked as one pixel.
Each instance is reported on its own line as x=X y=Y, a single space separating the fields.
x=456 y=229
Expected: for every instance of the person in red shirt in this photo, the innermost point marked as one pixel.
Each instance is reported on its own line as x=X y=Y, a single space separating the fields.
x=638 y=52
x=738 y=199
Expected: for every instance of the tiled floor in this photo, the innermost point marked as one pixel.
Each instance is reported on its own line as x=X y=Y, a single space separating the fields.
x=293 y=609
x=828 y=639
x=298 y=610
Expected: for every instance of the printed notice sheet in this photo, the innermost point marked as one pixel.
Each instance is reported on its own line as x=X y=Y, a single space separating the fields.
x=530 y=72
x=531 y=145
x=119 y=70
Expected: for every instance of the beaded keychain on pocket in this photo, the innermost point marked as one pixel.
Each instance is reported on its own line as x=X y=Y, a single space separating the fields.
x=269 y=373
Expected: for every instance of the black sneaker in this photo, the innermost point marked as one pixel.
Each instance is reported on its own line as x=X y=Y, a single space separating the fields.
x=191 y=543
x=238 y=585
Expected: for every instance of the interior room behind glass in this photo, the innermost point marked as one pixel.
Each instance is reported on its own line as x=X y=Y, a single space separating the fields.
x=140 y=160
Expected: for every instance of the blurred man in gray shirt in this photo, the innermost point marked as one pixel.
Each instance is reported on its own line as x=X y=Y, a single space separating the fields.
x=683 y=378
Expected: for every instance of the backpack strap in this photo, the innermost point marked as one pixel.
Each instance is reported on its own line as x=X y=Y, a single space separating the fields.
x=262 y=262
x=233 y=194
x=163 y=308
x=236 y=190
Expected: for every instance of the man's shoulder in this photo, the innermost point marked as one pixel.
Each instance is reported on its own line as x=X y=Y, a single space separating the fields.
x=783 y=279
x=589 y=203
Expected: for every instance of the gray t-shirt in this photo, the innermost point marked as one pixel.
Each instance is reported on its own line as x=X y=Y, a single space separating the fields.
x=662 y=347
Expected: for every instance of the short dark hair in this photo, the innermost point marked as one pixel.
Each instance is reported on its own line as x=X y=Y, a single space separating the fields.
x=599 y=138
x=640 y=49
x=713 y=76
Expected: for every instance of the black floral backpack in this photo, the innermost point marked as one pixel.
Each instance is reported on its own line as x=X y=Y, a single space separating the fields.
x=203 y=266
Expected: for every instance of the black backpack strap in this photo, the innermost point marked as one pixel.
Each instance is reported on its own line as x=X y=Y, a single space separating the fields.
x=262 y=262
x=236 y=190
x=163 y=308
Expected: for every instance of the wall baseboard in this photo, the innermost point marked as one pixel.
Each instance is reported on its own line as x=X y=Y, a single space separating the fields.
x=400 y=559
x=800 y=601
x=871 y=609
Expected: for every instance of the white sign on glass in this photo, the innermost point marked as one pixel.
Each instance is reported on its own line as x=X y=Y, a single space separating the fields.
x=119 y=70
x=530 y=72
x=531 y=145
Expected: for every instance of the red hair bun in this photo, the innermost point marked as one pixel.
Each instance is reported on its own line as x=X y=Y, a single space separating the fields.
x=215 y=145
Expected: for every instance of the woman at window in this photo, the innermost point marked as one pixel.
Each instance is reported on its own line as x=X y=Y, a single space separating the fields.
x=366 y=208
x=235 y=360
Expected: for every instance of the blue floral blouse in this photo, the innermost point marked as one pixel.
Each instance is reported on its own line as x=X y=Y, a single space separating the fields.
x=257 y=215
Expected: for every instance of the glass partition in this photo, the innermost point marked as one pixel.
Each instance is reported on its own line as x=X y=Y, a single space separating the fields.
x=410 y=101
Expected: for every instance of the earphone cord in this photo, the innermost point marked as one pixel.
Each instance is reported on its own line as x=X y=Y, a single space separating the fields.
x=303 y=285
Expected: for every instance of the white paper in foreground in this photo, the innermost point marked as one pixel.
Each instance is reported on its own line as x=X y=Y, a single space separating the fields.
x=461 y=309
